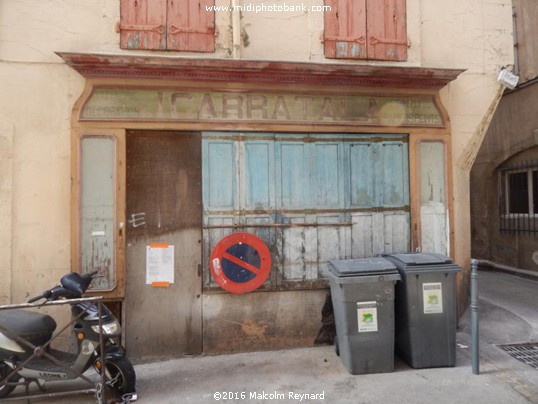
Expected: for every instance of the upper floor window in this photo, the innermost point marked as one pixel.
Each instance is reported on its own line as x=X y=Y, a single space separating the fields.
x=366 y=29
x=178 y=25
x=519 y=197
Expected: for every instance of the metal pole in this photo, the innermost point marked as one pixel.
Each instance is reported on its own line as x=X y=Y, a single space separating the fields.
x=102 y=398
x=474 y=317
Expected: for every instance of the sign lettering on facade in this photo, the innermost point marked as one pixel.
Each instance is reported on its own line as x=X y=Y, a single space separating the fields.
x=188 y=105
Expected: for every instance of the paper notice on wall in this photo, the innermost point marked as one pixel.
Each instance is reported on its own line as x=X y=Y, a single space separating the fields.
x=367 y=316
x=159 y=264
x=433 y=297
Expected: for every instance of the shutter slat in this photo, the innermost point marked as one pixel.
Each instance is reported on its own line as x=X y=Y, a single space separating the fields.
x=142 y=24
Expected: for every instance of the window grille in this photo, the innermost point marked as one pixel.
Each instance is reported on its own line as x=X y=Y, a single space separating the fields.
x=518 y=198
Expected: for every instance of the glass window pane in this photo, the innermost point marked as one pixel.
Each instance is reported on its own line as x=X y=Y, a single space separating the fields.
x=535 y=191
x=432 y=172
x=97 y=210
x=518 y=192
x=433 y=209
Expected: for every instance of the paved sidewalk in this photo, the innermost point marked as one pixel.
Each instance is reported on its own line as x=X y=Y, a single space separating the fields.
x=508 y=314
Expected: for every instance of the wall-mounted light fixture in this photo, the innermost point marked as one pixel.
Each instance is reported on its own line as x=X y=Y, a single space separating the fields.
x=507 y=79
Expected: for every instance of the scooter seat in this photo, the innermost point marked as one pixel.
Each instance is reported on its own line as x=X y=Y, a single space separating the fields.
x=35 y=328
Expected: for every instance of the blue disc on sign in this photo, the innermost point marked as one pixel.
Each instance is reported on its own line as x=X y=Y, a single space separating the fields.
x=238 y=273
x=240 y=263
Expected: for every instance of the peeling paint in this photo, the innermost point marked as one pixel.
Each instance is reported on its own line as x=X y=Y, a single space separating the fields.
x=341 y=49
x=356 y=50
x=245 y=39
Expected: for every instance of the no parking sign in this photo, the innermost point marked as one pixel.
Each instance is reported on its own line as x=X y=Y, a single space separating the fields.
x=240 y=263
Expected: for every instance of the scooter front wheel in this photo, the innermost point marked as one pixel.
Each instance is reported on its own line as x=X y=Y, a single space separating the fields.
x=6 y=389
x=120 y=375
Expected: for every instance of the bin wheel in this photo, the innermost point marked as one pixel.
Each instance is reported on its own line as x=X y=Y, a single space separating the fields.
x=336 y=347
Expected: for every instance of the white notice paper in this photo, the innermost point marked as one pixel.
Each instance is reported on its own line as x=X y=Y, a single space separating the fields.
x=432 y=294
x=367 y=316
x=159 y=263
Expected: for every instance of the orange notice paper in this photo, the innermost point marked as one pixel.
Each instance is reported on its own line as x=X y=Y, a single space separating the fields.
x=158 y=245
x=160 y=284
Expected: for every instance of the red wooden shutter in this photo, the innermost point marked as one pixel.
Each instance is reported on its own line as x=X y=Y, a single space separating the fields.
x=345 y=29
x=143 y=24
x=191 y=25
x=386 y=27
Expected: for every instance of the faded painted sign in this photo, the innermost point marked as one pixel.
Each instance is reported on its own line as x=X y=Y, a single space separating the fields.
x=193 y=105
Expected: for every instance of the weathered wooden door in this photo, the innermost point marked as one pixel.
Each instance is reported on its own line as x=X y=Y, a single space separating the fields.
x=163 y=207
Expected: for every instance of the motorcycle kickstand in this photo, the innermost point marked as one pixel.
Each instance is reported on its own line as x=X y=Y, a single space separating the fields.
x=27 y=383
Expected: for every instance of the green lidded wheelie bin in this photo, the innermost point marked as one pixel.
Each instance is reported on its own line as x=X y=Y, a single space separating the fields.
x=425 y=309
x=362 y=292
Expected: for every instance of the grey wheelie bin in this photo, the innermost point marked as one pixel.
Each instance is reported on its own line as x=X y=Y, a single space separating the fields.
x=425 y=308
x=362 y=292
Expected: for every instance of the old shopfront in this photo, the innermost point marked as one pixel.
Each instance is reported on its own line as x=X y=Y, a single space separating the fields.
x=319 y=161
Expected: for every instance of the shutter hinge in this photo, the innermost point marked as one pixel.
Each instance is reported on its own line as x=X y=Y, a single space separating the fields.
x=384 y=41
x=174 y=29
x=361 y=39
x=160 y=29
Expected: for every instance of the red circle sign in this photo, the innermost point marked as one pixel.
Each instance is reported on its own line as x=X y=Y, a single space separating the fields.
x=240 y=263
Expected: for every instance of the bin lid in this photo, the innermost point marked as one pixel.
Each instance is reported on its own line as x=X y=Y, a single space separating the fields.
x=362 y=267
x=420 y=258
x=423 y=262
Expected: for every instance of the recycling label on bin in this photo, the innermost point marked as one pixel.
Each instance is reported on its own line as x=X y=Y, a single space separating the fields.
x=367 y=316
x=433 y=297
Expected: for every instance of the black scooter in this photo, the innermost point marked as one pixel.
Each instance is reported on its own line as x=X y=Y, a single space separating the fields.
x=25 y=336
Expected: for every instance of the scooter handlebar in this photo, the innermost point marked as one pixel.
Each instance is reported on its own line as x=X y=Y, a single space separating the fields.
x=45 y=295
x=87 y=278
x=36 y=298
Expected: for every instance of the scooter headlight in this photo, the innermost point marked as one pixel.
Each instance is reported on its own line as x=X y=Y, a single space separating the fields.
x=112 y=328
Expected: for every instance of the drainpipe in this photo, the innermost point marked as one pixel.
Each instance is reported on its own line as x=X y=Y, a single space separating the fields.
x=236 y=29
x=474 y=317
